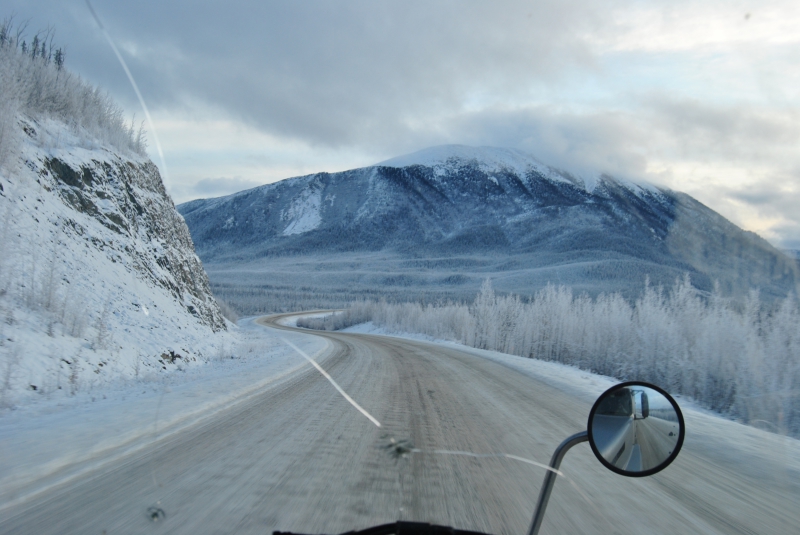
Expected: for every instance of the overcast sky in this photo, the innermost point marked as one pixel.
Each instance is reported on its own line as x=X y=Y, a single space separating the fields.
x=699 y=96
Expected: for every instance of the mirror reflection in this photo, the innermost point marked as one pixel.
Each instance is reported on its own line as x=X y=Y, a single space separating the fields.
x=635 y=428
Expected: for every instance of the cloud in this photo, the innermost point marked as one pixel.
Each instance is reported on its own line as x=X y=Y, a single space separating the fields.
x=688 y=94
x=584 y=143
x=764 y=204
x=331 y=73
x=688 y=25
x=221 y=186
x=211 y=187
x=743 y=131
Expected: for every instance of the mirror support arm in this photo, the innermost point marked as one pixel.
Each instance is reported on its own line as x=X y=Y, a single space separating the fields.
x=550 y=478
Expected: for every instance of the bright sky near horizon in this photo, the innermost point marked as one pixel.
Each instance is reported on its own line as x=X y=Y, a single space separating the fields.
x=699 y=96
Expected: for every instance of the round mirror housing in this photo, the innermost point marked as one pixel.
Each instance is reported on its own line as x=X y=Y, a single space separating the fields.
x=636 y=429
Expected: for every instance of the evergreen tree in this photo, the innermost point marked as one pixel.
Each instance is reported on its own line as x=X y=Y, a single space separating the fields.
x=59 y=58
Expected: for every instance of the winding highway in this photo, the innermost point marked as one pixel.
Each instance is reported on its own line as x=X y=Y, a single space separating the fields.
x=298 y=457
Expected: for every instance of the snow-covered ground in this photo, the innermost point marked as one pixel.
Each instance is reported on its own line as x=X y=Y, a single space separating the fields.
x=304 y=213
x=98 y=277
x=54 y=438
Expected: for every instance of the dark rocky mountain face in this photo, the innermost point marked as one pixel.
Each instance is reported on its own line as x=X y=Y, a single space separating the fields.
x=129 y=199
x=445 y=224
x=99 y=280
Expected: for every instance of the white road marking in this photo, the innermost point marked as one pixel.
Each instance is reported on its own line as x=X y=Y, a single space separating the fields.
x=506 y=455
x=330 y=379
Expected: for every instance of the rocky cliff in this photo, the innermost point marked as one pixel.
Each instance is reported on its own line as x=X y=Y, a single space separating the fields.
x=98 y=275
x=127 y=197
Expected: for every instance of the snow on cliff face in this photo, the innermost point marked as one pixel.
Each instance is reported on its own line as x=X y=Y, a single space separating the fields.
x=303 y=214
x=488 y=159
x=492 y=160
x=98 y=274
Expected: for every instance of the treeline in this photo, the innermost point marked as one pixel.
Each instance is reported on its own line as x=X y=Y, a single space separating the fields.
x=739 y=358
x=357 y=313
x=252 y=299
x=35 y=83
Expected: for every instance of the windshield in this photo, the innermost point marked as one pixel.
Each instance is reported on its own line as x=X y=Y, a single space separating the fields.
x=313 y=267
x=620 y=404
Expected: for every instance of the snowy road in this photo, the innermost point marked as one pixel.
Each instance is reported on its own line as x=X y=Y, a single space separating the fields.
x=298 y=457
x=653 y=435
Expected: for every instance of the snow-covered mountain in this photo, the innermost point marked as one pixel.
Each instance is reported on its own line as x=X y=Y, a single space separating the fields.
x=98 y=274
x=446 y=217
x=487 y=159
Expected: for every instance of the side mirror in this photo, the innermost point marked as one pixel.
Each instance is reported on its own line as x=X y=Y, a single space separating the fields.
x=636 y=429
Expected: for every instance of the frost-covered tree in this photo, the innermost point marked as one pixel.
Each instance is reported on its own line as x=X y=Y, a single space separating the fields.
x=739 y=358
x=33 y=86
x=59 y=58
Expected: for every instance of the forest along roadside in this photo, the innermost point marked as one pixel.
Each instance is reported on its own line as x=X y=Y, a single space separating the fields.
x=55 y=440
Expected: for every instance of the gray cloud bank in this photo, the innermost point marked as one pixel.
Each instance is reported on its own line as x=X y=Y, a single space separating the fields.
x=217 y=187
x=392 y=77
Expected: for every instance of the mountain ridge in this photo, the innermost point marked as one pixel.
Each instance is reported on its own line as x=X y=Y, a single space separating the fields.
x=458 y=202
x=492 y=158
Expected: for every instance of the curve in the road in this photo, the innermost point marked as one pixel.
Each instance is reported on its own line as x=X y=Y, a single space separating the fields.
x=298 y=457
